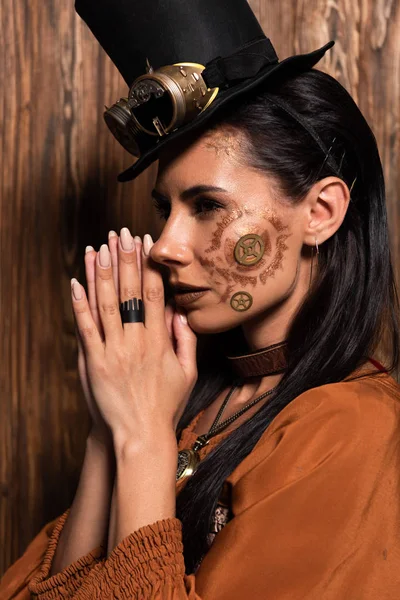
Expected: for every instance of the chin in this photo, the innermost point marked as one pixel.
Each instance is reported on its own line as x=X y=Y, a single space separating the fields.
x=220 y=318
x=212 y=321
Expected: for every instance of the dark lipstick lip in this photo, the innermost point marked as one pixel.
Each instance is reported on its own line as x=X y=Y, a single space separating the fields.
x=181 y=288
x=189 y=297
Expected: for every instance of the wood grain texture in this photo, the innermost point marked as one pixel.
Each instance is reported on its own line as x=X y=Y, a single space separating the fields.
x=59 y=193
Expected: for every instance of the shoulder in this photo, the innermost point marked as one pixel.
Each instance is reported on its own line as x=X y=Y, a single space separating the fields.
x=349 y=420
x=353 y=401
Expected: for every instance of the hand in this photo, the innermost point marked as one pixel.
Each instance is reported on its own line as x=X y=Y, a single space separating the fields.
x=99 y=428
x=140 y=375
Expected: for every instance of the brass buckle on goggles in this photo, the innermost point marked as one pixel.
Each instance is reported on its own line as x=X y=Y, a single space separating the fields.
x=158 y=103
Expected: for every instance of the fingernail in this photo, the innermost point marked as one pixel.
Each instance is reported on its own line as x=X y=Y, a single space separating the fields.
x=76 y=289
x=88 y=249
x=137 y=239
x=126 y=239
x=183 y=318
x=147 y=243
x=104 y=256
x=112 y=233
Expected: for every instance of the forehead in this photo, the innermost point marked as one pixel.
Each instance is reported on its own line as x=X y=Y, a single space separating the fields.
x=215 y=155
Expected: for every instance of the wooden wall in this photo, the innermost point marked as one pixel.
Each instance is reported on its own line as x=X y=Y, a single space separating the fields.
x=59 y=193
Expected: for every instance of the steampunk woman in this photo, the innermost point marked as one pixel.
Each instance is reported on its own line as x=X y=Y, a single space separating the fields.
x=254 y=435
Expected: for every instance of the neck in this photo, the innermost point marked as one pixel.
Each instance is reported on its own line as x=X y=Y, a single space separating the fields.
x=265 y=331
x=272 y=326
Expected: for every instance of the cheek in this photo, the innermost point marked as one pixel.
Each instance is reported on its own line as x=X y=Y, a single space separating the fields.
x=268 y=283
x=244 y=279
x=251 y=259
x=280 y=257
x=247 y=252
x=265 y=276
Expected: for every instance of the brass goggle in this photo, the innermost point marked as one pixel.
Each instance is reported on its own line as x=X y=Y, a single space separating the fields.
x=158 y=103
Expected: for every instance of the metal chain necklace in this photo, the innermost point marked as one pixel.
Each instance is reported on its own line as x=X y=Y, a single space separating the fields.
x=188 y=459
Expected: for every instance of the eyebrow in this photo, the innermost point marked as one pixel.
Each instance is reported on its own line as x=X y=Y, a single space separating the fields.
x=191 y=192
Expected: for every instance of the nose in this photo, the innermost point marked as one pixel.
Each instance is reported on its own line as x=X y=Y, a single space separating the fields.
x=172 y=248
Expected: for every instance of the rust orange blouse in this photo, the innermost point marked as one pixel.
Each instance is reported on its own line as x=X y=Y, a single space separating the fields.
x=315 y=515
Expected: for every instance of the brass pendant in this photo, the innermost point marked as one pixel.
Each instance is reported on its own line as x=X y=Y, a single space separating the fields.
x=249 y=250
x=241 y=301
x=188 y=461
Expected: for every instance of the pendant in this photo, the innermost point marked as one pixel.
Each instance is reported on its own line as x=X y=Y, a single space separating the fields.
x=187 y=463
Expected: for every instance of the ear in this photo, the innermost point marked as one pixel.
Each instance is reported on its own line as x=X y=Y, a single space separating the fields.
x=326 y=205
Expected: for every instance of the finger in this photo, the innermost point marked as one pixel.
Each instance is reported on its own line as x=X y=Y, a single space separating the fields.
x=81 y=362
x=169 y=315
x=90 y=269
x=85 y=324
x=107 y=299
x=138 y=243
x=186 y=343
x=129 y=280
x=78 y=337
x=153 y=290
x=113 y=247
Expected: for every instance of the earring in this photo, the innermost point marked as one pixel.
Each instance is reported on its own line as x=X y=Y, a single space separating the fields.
x=312 y=259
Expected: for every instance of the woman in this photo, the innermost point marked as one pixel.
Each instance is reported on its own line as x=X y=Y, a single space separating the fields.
x=274 y=210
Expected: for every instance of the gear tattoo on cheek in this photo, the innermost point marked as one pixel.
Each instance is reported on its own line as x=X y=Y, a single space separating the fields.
x=249 y=253
x=229 y=253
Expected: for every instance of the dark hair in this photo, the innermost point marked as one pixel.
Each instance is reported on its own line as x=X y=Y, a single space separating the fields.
x=353 y=300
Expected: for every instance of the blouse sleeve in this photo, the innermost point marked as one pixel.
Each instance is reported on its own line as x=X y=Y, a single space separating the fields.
x=316 y=516
x=14 y=583
x=36 y=562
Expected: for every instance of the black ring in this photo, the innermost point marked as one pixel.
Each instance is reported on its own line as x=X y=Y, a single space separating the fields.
x=132 y=311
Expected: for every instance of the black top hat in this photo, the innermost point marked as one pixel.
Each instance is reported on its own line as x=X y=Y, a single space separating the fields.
x=183 y=61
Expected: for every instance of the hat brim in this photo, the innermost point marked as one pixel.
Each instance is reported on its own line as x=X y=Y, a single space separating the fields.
x=293 y=64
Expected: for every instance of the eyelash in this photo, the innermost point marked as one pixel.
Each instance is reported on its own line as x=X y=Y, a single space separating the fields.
x=163 y=207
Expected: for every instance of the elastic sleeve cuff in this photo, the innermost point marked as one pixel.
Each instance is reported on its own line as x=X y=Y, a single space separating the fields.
x=69 y=579
x=143 y=561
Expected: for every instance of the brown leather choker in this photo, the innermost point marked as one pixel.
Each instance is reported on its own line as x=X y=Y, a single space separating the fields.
x=266 y=361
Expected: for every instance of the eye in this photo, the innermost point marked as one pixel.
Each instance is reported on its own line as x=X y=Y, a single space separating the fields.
x=162 y=207
x=202 y=206
x=206 y=205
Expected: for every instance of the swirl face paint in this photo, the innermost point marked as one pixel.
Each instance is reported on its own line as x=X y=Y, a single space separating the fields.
x=249 y=260
x=221 y=226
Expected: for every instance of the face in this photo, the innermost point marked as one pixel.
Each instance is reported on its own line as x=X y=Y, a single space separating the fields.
x=227 y=230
